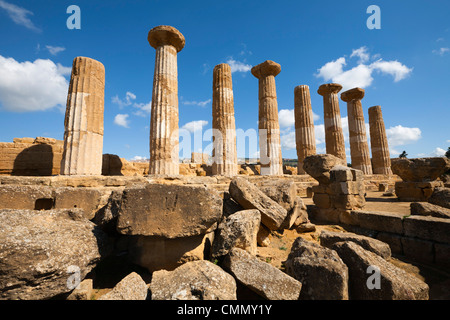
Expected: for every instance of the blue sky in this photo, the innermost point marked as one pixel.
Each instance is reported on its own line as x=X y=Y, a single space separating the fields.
x=404 y=66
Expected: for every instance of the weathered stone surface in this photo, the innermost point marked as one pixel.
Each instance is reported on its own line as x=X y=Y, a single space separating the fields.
x=395 y=283
x=296 y=216
x=263 y=236
x=319 y=166
x=282 y=191
x=197 y=280
x=237 y=230
x=43 y=253
x=156 y=253
x=334 y=136
x=329 y=238
x=261 y=277
x=359 y=147
x=418 y=250
x=317 y=267
x=169 y=211
x=440 y=197
x=381 y=159
x=428 y=228
x=83 y=291
x=88 y=199
x=132 y=287
x=83 y=133
x=304 y=126
x=379 y=221
x=164 y=157
x=420 y=169
x=429 y=209
x=250 y=197
x=224 y=128
x=25 y=197
x=268 y=125
x=415 y=191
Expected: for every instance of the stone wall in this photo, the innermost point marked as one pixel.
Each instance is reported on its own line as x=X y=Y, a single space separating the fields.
x=31 y=157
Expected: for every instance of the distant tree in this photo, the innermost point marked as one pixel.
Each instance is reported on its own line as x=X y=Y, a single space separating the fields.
x=447 y=154
x=403 y=155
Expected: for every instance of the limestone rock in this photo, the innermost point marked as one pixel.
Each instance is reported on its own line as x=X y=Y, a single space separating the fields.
x=395 y=284
x=283 y=192
x=420 y=169
x=237 y=230
x=329 y=238
x=317 y=267
x=428 y=209
x=83 y=291
x=263 y=236
x=440 y=197
x=197 y=280
x=250 y=197
x=319 y=166
x=25 y=197
x=132 y=287
x=169 y=211
x=43 y=253
x=261 y=277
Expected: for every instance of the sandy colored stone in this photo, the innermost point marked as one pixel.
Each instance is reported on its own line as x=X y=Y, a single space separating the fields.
x=440 y=197
x=381 y=159
x=132 y=287
x=83 y=133
x=359 y=147
x=268 y=125
x=334 y=136
x=304 y=125
x=420 y=169
x=224 y=128
x=164 y=158
x=319 y=166
x=429 y=209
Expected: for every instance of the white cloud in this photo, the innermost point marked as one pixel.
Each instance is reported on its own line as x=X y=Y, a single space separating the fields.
x=448 y=141
x=288 y=141
x=32 y=86
x=143 y=109
x=441 y=51
x=286 y=118
x=55 y=50
x=194 y=125
x=122 y=120
x=438 y=152
x=126 y=102
x=361 y=53
x=197 y=103
x=237 y=66
x=19 y=15
x=361 y=75
x=138 y=158
x=400 y=135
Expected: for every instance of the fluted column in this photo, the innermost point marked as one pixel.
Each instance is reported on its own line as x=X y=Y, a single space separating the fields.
x=269 y=127
x=334 y=137
x=381 y=159
x=304 y=126
x=224 y=128
x=359 y=147
x=167 y=41
x=83 y=123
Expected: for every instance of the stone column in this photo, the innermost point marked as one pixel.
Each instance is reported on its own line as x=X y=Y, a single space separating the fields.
x=334 y=137
x=83 y=123
x=269 y=127
x=304 y=126
x=381 y=160
x=359 y=147
x=167 y=41
x=224 y=128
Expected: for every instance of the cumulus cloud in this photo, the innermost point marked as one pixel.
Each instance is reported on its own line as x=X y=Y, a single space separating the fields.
x=138 y=158
x=400 y=135
x=141 y=109
x=362 y=74
x=438 y=152
x=238 y=66
x=288 y=141
x=286 y=118
x=195 y=125
x=32 y=86
x=19 y=15
x=122 y=120
x=54 y=50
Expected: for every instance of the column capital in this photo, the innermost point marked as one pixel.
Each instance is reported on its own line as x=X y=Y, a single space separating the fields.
x=267 y=68
x=352 y=94
x=329 y=88
x=166 y=35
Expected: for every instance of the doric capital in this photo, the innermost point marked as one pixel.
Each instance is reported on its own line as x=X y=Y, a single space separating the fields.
x=329 y=88
x=166 y=35
x=352 y=94
x=267 y=68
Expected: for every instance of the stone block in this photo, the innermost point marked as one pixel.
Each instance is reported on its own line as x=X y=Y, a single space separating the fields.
x=418 y=250
x=25 y=197
x=379 y=221
x=442 y=255
x=427 y=228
